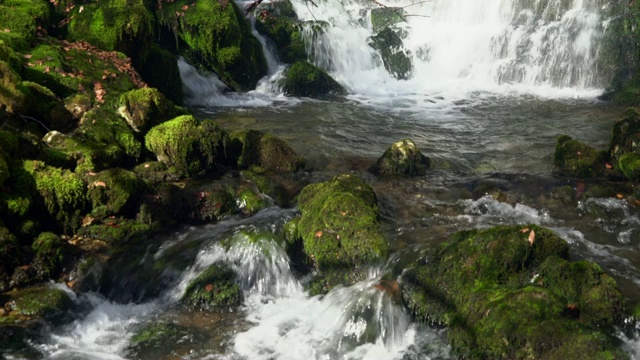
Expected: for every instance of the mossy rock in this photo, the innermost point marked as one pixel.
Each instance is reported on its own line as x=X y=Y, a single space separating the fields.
x=281 y=191
x=156 y=340
x=339 y=223
x=383 y=17
x=40 y=102
x=279 y=22
x=154 y=172
x=187 y=147
x=625 y=136
x=38 y=303
x=49 y=255
x=114 y=192
x=402 y=158
x=164 y=205
x=396 y=60
x=88 y=155
x=211 y=202
x=215 y=289
x=120 y=25
x=116 y=230
x=11 y=98
x=629 y=165
x=250 y=200
x=63 y=193
x=305 y=79
x=572 y=158
x=145 y=108
x=20 y=26
x=161 y=71
x=254 y=149
x=219 y=37
x=509 y=292
x=9 y=258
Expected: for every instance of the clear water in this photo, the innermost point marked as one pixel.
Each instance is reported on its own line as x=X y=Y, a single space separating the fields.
x=501 y=81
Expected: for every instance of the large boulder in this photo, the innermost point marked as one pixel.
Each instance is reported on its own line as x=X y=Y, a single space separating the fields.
x=120 y=25
x=252 y=148
x=187 y=147
x=509 y=292
x=339 y=223
x=402 y=158
x=219 y=37
x=384 y=17
x=305 y=79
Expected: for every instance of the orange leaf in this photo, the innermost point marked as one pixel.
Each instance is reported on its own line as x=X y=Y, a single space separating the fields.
x=532 y=237
x=318 y=233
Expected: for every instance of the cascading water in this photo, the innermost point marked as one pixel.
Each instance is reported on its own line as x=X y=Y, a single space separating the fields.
x=545 y=47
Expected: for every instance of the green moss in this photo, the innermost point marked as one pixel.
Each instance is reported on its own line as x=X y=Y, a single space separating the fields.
x=121 y=25
x=18 y=26
x=216 y=288
x=187 y=147
x=49 y=255
x=625 y=136
x=278 y=21
x=630 y=165
x=572 y=158
x=43 y=302
x=63 y=192
x=250 y=200
x=220 y=37
x=339 y=223
x=145 y=108
x=9 y=258
x=115 y=230
x=161 y=71
x=4 y=168
x=402 y=158
x=114 y=192
x=383 y=17
x=88 y=155
x=11 y=98
x=252 y=148
x=103 y=126
x=158 y=339
x=305 y=79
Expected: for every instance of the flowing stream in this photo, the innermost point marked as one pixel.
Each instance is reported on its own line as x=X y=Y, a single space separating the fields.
x=493 y=83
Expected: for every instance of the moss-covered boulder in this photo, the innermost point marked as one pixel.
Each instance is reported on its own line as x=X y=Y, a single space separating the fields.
x=89 y=156
x=510 y=292
x=279 y=22
x=305 y=79
x=629 y=164
x=402 y=158
x=396 y=60
x=19 y=21
x=49 y=255
x=37 y=303
x=62 y=192
x=187 y=147
x=254 y=149
x=210 y=202
x=339 y=224
x=219 y=37
x=250 y=200
x=9 y=258
x=572 y=158
x=120 y=25
x=161 y=71
x=146 y=108
x=215 y=289
x=114 y=192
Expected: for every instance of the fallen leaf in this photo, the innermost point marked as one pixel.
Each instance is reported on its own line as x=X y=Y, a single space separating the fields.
x=620 y=196
x=532 y=237
x=27 y=56
x=524 y=230
x=91 y=173
x=343 y=213
x=607 y=165
x=7 y=30
x=208 y=287
x=318 y=233
x=185 y=7
x=87 y=220
x=100 y=183
x=147 y=165
x=81 y=9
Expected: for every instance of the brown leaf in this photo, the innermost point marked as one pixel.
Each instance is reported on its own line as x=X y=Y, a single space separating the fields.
x=318 y=233
x=185 y=7
x=620 y=196
x=607 y=165
x=524 y=230
x=208 y=288
x=99 y=183
x=27 y=56
x=532 y=237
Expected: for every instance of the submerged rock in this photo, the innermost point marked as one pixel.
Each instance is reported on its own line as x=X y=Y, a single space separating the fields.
x=507 y=292
x=339 y=226
x=215 y=289
x=252 y=149
x=402 y=158
x=305 y=79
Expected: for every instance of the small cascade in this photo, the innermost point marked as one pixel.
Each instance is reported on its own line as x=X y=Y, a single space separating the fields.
x=547 y=47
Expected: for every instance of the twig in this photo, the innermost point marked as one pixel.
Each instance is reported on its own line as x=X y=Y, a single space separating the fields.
x=25 y=118
x=418 y=3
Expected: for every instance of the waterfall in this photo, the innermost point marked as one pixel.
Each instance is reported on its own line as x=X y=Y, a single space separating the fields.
x=545 y=47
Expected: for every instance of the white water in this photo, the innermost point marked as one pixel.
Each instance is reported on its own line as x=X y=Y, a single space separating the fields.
x=546 y=48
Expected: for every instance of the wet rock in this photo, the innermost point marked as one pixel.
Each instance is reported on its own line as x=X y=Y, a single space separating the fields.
x=305 y=79
x=187 y=147
x=262 y=152
x=572 y=158
x=219 y=38
x=114 y=192
x=49 y=256
x=211 y=202
x=165 y=204
x=37 y=303
x=9 y=258
x=115 y=230
x=402 y=158
x=152 y=339
x=507 y=291
x=396 y=60
x=145 y=108
x=279 y=22
x=339 y=224
x=215 y=289
x=120 y=25
x=87 y=155
x=250 y=200
x=154 y=172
